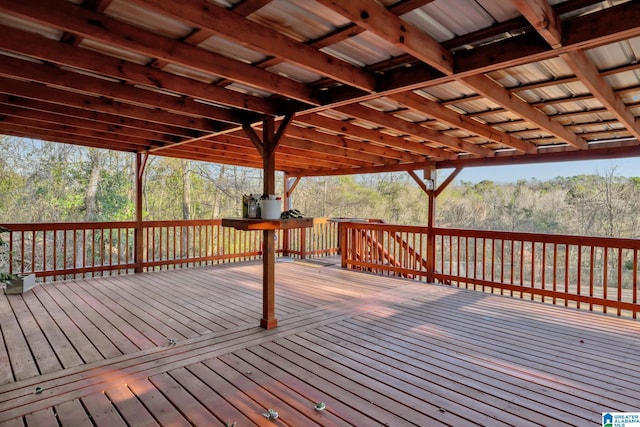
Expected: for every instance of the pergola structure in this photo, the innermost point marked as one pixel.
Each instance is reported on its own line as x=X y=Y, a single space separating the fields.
x=322 y=87
x=317 y=88
x=367 y=85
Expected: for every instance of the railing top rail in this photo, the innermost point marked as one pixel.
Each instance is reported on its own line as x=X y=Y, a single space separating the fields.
x=47 y=226
x=576 y=240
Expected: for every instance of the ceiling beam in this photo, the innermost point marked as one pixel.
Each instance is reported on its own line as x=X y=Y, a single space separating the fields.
x=601 y=90
x=75 y=82
x=36 y=46
x=40 y=92
x=501 y=96
x=374 y=136
x=543 y=18
x=204 y=14
x=74 y=19
x=172 y=133
x=389 y=121
x=384 y=23
x=446 y=115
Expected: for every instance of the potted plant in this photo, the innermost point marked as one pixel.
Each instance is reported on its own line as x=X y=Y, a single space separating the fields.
x=14 y=283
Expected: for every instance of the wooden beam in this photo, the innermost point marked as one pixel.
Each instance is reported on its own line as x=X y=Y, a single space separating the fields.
x=385 y=24
x=204 y=14
x=374 y=136
x=141 y=161
x=450 y=117
x=419 y=181
x=113 y=121
x=415 y=129
x=448 y=180
x=498 y=94
x=76 y=82
x=74 y=19
x=601 y=90
x=36 y=46
x=543 y=18
x=41 y=92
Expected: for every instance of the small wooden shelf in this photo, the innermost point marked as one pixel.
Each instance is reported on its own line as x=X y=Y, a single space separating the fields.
x=266 y=224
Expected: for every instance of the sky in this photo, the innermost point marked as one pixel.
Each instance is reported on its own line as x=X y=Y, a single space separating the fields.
x=629 y=167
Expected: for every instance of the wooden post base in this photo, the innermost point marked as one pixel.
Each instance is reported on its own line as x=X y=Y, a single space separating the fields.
x=269 y=323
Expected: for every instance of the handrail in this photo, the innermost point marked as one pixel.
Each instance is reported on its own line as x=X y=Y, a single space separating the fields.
x=585 y=272
x=55 y=251
x=593 y=273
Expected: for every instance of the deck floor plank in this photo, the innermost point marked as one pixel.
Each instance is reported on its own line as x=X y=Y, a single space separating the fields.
x=286 y=388
x=100 y=316
x=72 y=413
x=43 y=354
x=102 y=411
x=377 y=350
x=126 y=308
x=194 y=411
x=342 y=388
x=42 y=418
x=132 y=411
x=91 y=331
x=210 y=397
x=65 y=351
x=157 y=404
x=168 y=306
x=203 y=296
x=236 y=403
x=154 y=314
x=84 y=346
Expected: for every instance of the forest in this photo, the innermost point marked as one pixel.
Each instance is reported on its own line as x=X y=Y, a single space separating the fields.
x=49 y=182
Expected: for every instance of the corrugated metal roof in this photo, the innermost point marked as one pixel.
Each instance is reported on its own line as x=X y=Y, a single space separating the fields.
x=144 y=18
x=294 y=82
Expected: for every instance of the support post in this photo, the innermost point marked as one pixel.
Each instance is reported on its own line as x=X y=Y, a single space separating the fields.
x=433 y=191
x=269 y=320
x=141 y=162
x=286 y=205
x=267 y=146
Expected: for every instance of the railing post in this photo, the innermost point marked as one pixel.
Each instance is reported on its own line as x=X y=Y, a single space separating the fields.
x=431 y=238
x=342 y=235
x=139 y=231
x=303 y=243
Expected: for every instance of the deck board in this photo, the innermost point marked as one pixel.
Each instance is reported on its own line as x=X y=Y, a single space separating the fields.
x=376 y=350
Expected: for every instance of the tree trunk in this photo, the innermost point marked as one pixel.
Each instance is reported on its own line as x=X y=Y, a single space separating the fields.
x=186 y=190
x=91 y=203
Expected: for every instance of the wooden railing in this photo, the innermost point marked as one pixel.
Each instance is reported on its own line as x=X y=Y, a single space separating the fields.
x=598 y=274
x=385 y=249
x=593 y=273
x=57 y=251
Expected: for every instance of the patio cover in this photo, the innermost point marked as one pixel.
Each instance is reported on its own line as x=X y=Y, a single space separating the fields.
x=367 y=86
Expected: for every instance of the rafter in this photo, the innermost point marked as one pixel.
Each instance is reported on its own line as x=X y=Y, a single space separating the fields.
x=591 y=78
x=374 y=136
x=375 y=18
x=543 y=18
x=25 y=43
x=415 y=129
x=498 y=94
x=40 y=92
x=204 y=14
x=72 y=18
x=448 y=116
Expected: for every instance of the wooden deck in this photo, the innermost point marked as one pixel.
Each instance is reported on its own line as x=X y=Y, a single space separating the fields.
x=183 y=348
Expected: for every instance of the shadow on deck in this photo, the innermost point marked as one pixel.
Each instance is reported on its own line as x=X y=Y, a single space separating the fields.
x=182 y=347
